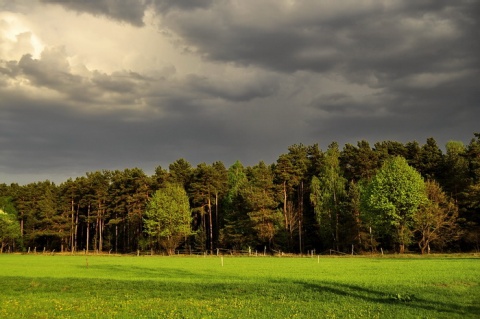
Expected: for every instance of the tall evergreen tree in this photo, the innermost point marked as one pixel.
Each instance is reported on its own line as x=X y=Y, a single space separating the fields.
x=181 y=172
x=236 y=231
x=259 y=195
x=359 y=162
x=455 y=177
x=204 y=189
x=431 y=160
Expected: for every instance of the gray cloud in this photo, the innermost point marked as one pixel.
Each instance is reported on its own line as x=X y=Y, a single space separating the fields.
x=165 y=6
x=233 y=90
x=131 y=11
x=387 y=41
x=262 y=76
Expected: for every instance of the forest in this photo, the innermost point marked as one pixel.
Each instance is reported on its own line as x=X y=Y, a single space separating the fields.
x=390 y=197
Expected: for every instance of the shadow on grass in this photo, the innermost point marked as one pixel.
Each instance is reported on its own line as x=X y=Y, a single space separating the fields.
x=174 y=284
x=381 y=297
x=169 y=274
x=120 y=271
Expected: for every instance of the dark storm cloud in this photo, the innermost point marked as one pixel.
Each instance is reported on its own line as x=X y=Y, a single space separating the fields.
x=164 y=6
x=235 y=90
x=95 y=120
x=51 y=73
x=55 y=137
x=131 y=11
x=385 y=39
x=270 y=74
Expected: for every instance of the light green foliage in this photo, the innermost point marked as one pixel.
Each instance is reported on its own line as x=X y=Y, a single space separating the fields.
x=327 y=191
x=262 y=287
x=391 y=199
x=329 y=187
x=168 y=217
x=9 y=229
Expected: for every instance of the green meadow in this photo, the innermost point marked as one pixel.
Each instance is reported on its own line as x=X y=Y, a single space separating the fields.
x=46 y=286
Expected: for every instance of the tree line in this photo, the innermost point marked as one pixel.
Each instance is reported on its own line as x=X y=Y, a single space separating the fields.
x=390 y=197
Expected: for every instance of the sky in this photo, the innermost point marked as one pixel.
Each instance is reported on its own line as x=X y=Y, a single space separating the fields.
x=88 y=85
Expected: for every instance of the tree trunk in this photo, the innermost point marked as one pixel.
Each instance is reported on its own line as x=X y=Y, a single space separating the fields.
x=285 y=204
x=88 y=228
x=21 y=225
x=216 y=218
x=100 y=235
x=335 y=207
x=300 y=219
x=211 y=224
x=72 y=226
x=424 y=243
x=100 y=228
x=75 y=247
x=116 y=233
x=401 y=237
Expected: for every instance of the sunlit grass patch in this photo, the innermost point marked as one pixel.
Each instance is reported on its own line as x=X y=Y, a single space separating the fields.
x=248 y=287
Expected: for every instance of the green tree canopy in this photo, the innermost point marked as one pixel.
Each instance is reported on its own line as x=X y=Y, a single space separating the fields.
x=168 y=217
x=391 y=199
x=326 y=194
x=9 y=226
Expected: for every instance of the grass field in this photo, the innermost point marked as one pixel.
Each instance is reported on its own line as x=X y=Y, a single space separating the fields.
x=45 y=286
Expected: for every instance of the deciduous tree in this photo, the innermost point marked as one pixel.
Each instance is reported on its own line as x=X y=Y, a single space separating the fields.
x=168 y=217
x=436 y=220
x=392 y=198
x=327 y=192
x=9 y=226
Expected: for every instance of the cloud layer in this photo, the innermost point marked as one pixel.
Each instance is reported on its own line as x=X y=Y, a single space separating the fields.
x=89 y=85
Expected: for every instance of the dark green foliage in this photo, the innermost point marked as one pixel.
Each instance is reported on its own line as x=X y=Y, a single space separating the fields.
x=359 y=162
x=308 y=200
